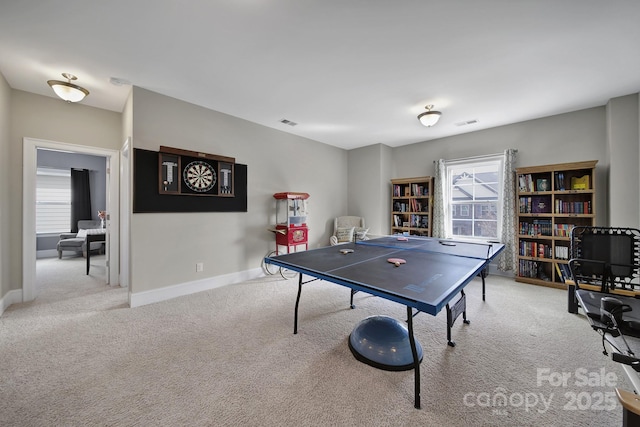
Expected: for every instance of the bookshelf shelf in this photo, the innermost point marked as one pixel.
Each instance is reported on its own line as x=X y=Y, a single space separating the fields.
x=550 y=201
x=412 y=205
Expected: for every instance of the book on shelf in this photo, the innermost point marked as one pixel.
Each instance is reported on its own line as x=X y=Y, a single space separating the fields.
x=560 y=181
x=563 y=230
x=526 y=183
x=528 y=268
x=400 y=190
x=580 y=183
x=559 y=271
x=401 y=207
x=535 y=249
x=420 y=190
x=539 y=227
x=566 y=207
x=562 y=252
x=542 y=184
x=540 y=204
x=522 y=184
x=566 y=271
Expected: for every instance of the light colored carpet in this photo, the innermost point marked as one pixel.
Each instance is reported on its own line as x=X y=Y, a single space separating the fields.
x=78 y=356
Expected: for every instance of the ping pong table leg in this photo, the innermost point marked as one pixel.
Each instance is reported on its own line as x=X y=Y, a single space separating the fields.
x=459 y=307
x=353 y=292
x=450 y=321
x=483 y=274
x=295 y=317
x=416 y=362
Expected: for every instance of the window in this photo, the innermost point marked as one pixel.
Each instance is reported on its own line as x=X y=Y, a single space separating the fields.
x=53 y=200
x=473 y=195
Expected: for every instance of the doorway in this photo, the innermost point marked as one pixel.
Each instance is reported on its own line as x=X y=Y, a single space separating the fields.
x=30 y=148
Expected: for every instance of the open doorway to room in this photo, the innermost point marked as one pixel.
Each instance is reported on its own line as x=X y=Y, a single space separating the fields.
x=61 y=255
x=104 y=268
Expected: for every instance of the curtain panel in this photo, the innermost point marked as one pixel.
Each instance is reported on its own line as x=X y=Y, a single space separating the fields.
x=80 y=197
x=507 y=260
x=439 y=212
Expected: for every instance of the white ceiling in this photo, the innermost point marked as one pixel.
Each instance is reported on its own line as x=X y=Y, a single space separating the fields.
x=351 y=73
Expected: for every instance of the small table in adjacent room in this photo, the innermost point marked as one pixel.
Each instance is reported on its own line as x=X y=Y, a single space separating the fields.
x=94 y=235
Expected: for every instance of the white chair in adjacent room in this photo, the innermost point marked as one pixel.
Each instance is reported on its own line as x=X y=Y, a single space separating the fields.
x=347 y=229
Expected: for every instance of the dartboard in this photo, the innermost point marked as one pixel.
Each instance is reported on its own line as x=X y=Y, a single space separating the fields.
x=199 y=176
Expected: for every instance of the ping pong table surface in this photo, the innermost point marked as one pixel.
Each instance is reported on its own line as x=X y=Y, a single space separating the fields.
x=435 y=271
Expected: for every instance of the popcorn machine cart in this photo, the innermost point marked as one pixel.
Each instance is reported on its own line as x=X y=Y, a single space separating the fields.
x=291 y=221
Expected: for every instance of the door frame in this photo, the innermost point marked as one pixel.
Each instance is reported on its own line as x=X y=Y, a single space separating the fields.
x=30 y=164
x=126 y=162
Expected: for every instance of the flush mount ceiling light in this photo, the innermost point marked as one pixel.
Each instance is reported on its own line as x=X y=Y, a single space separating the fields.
x=67 y=90
x=429 y=118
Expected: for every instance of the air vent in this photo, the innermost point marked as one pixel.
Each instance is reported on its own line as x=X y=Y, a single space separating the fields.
x=116 y=81
x=468 y=122
x=288 y=122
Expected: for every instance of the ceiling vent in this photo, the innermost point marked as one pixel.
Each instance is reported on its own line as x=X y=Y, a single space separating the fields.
x=468 y=122
x=288 y=122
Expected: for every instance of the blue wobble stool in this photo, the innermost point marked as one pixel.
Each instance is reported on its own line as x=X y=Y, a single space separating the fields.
x=383 y=342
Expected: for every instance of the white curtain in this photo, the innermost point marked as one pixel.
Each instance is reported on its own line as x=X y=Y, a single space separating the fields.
x=439 y=213
x=508 y=258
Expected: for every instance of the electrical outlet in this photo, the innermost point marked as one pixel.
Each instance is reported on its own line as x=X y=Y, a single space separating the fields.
x=199 y=267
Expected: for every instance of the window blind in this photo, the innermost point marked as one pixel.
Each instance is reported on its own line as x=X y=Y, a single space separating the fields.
x=53 y=200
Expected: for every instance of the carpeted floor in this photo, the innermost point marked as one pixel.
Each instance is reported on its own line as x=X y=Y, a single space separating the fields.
x=78 y=356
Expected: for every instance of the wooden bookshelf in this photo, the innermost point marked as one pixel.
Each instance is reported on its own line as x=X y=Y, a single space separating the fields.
x=412 y=205
x=550 y=201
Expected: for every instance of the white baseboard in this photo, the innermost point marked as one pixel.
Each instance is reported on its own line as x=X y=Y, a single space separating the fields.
x=493 y=269
x=11 y=297
x=138 y=299
x=47 y=253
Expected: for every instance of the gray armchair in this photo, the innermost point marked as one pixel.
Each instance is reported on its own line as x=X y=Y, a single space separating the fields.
x=348 y=228
x=76 y=241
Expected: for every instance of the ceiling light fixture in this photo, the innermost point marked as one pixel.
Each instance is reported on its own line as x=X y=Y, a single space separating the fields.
x=429 y=118
x=67 y=90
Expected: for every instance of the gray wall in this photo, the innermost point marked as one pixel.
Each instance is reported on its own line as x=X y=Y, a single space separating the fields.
x=165 y=247
x=570 y=137
x=369 y=186
x=5 y=200
x=97 y=182
x=624 y=176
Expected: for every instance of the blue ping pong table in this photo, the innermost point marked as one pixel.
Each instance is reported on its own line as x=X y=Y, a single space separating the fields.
x=433 y=273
